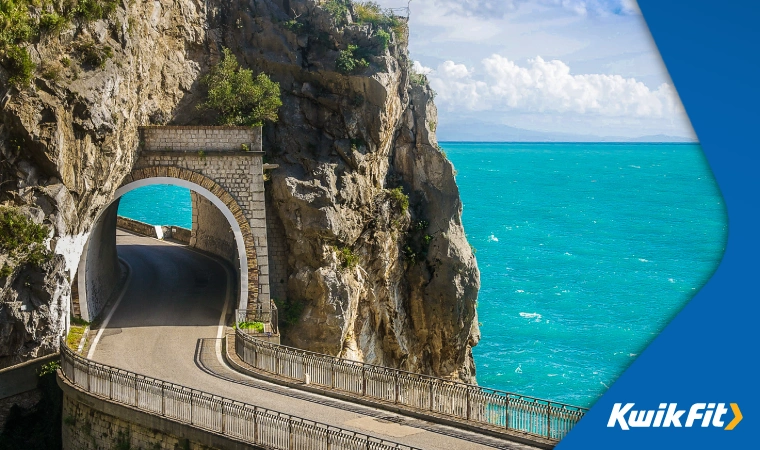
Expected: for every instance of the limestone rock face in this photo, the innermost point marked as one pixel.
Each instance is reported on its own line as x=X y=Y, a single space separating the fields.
x=370 y=275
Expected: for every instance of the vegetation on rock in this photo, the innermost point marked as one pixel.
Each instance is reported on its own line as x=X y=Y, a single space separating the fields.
x=371 y=12
x=21 y=240
x=347 y=258
x=238 y=97
x=19 y=65
x=22 y=21
x=401 y=199
x=338 y=8
x=288 y=312
x=349 y=61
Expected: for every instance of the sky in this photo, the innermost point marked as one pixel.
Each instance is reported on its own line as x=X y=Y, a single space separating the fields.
x=543 y=70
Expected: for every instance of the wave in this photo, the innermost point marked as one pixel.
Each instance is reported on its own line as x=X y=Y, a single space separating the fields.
x=493 y=238
x=536 y=316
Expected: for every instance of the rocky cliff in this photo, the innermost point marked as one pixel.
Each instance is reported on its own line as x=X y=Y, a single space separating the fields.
x=378 y=266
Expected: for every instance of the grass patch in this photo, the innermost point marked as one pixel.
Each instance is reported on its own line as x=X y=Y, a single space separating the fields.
x=257 y=327
x=75 y=336
x=371 y=12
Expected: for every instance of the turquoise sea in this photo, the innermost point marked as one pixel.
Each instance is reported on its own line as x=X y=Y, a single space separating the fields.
x=586 y=251
x=160 y=204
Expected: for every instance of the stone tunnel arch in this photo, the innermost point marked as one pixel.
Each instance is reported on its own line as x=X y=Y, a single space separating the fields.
x=212 y=163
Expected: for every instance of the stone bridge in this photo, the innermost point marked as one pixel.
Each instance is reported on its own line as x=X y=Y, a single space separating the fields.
x=223 y=168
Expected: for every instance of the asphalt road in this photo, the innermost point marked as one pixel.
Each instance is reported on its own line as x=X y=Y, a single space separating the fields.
x=175 y=297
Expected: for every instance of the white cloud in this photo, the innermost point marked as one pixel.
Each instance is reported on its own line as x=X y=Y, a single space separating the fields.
x=419 y=68
x=548 y=86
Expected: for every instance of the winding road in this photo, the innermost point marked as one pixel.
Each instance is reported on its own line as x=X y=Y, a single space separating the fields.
x=174 y=300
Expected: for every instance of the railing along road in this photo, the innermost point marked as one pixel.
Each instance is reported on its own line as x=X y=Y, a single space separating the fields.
x=266 y=317
x=236 y=420
x=468 y=403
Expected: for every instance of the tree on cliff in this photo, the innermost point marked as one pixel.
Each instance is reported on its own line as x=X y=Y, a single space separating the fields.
x=238 y=97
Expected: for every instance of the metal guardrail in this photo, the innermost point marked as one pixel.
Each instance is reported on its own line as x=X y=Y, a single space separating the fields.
x=241 y=421
x=472 y=404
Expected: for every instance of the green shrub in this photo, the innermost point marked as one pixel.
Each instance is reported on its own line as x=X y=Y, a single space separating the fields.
x=293 y=25
x=16 y=24
x=93 y=54
x=49 y=368
x=53 y=22
x=384 y=38
x=19 y=65
x=420 y=225
x=238 y=97
x=420 y=79
x=338 y=9
x=401 y=199
x=409 y=253
x=347 y=258
x=357 y=143
x=22 y=239
x=288 y=312
x=95 y=9
x=348 y=62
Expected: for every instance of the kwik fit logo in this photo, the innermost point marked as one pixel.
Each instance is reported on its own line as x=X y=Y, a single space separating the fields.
x=668 y=415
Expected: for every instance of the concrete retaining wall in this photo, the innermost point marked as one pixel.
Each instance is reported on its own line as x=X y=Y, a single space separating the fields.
x=91 y=423
x=178 y=234
x=211 y=232
x=22 y=377
x=101 y=266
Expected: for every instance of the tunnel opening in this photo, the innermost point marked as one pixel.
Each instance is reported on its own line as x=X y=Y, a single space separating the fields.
x=208 y=226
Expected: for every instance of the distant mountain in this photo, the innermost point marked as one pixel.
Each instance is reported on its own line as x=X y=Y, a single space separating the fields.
x=485 y=132
x=663 y=138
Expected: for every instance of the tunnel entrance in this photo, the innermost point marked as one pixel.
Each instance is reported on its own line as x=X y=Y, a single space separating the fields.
x=223 y=169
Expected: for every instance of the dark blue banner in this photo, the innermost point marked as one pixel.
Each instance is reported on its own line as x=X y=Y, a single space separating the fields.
x=696 y=385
